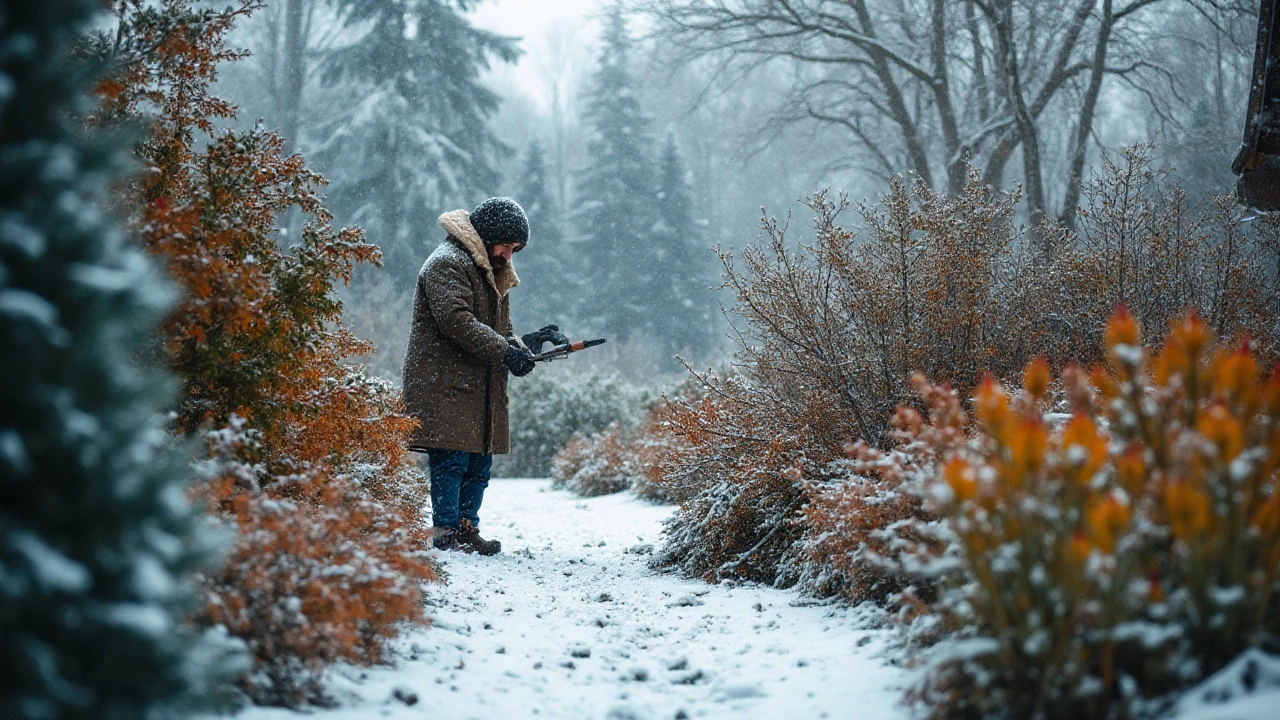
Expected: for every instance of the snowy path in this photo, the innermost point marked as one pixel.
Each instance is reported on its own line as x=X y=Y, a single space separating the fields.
x=568 y=622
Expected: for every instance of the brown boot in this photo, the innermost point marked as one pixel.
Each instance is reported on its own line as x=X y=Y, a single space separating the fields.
x=444 y=538
x=468 y=539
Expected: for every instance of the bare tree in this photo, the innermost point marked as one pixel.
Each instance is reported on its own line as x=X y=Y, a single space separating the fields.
x=279 y=82
x=927 y=86
x=562 y=68
x=297 y=25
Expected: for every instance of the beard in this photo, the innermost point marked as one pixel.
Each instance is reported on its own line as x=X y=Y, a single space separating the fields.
x=497 y=261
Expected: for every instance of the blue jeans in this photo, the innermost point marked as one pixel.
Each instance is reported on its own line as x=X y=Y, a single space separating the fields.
x=458 y=480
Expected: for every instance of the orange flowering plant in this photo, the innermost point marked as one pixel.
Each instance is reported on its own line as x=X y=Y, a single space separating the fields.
x=1103 y=558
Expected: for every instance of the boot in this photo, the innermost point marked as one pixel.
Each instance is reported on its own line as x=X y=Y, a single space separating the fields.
x=444 y=538
x=468 y=539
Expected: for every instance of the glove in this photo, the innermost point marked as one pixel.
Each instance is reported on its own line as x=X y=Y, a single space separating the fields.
x=549 y=333
x=519 y=361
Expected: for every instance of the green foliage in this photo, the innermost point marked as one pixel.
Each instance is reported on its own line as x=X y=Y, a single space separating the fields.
x=95 y=531
x=636 y=228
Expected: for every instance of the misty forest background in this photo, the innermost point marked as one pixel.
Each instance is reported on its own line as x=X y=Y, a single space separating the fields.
x=657 y=130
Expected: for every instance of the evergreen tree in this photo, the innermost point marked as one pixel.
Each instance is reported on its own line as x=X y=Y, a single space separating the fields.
x=616 y=211
x=548 y=283
x=418 y=139
x=684 y=306
x=95 y=534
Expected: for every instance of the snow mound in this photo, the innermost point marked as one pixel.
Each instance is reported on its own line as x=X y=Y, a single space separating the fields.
x=1247 y=689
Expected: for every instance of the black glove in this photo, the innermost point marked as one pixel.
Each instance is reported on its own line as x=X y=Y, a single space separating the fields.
x=518 y=360
x=548 y=334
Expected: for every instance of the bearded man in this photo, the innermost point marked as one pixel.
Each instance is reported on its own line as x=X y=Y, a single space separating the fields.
x=461 y=349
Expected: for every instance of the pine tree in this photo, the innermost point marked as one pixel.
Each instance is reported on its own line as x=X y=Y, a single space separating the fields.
x=548 y=284
x=95 y=533
x=616 y=210
x=683 y=312
x=418 y=139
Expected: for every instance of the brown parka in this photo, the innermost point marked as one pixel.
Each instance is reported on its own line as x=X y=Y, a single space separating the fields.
x=455 y=384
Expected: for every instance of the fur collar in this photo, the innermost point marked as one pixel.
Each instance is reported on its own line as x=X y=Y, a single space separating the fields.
x=458 y=224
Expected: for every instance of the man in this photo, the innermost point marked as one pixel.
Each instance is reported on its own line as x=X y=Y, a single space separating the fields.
x=461 y=347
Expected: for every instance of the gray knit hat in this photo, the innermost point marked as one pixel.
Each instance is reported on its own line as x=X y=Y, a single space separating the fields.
x=501 y=221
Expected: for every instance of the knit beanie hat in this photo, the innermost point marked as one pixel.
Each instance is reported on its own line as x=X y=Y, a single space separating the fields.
x=501 y=221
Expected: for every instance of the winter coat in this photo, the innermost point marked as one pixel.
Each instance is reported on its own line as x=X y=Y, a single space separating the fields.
x=454 y=381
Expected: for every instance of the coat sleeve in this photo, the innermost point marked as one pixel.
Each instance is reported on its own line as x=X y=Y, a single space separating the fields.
x=448 y=290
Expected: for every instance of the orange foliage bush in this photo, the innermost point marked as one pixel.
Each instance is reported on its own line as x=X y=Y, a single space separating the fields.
x=595 y=465
x=948 y=286
x=653 y=447
x=308 y=462
x=740 y=467
x=1105 y=559
x=863 y=537
x=614 y=460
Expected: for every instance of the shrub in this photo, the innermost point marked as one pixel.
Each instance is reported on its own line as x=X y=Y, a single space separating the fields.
x=306 y=459
x=846 y=320
x=1140 y=245
x=740 y=471
x=330 y=549
x=833 y=331
x=551 y=406
x=655 y=445
x=617 y=459
x=599 y=464
x=1111 y=558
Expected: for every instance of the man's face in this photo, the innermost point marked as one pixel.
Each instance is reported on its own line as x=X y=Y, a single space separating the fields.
x=500 y=255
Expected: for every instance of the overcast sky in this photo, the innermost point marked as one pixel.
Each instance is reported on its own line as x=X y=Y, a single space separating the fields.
x=531 y=20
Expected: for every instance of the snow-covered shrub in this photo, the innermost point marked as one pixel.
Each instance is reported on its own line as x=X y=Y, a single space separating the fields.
x=858 y=528
x=1140 y=244
x=331 y=548
x=617 y=459
x=1099 y=562
x=653 y=446
x=559 y=401
x=740 y=467
x=831 y=335
x=307 y=460
x=598 y=464
x=948 y=285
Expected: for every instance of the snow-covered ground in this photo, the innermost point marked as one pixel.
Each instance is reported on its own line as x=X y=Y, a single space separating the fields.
x=1246 y=689
x=569 y=622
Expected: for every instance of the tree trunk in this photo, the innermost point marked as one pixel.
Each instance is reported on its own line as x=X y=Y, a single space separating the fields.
x=941 y=88
x=916 y=153
x=980 y=87
x=1071 y=202
x=294 y=72
x=1024 y=122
